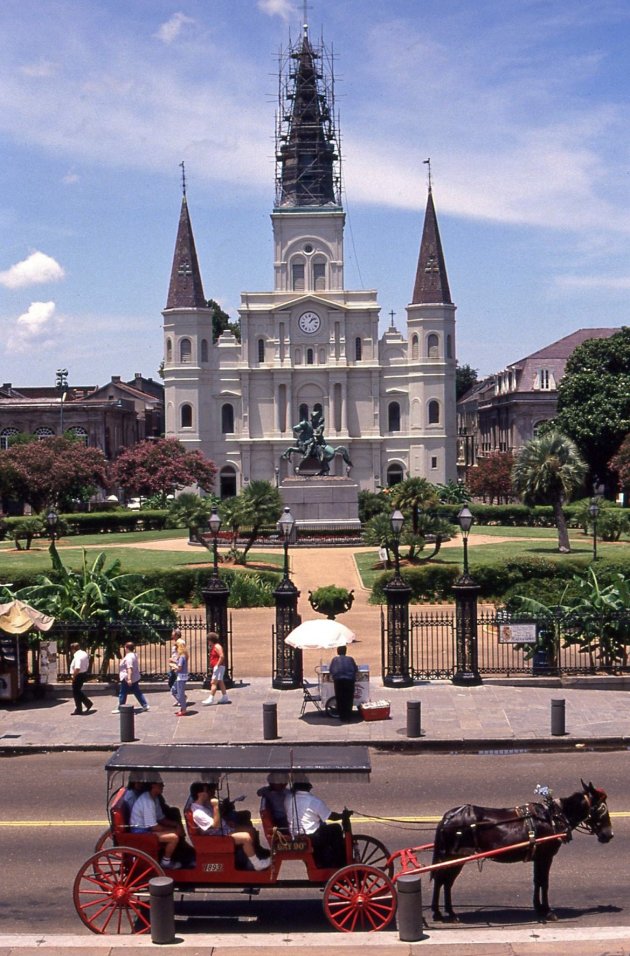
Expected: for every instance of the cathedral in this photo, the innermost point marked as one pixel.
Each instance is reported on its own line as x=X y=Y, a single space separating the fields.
x=309 y=346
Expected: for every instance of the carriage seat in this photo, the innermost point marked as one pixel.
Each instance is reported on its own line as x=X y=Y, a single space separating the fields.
x=119 y=815
x=280 y=839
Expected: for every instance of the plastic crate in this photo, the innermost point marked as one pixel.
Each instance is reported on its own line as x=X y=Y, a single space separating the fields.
x=378 y=711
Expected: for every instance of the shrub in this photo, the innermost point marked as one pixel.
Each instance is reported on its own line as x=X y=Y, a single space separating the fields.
x=331 y=600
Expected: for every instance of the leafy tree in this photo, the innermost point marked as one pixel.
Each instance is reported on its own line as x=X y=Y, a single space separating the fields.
x=620 y=463
x=594 y=399
x=549 y=470
x=453 y=493
x=465 y=378
x=378 y=532
x=492 y=477
x=221 y=322
x=370 y=504
x=189 y=511
x=260 y=505
x=162 y=467
x=51 y=472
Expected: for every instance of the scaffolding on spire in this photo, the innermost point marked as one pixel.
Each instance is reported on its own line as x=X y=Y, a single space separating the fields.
x=308 y=153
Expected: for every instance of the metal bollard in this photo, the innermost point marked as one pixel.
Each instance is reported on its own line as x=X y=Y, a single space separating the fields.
x=557 y=718
x=162 y=909
x=270 y=721
x=127 y=725
x=409 y=913
x=414 y=714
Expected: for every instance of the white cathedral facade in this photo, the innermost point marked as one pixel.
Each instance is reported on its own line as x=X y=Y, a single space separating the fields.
x=309 y=344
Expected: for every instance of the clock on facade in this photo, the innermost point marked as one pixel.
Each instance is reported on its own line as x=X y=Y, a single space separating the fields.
x=309 y=322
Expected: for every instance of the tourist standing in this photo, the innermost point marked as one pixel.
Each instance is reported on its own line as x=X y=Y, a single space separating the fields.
x=217 y=671
x=130 y=679
x=80 y=671
x=178 y=689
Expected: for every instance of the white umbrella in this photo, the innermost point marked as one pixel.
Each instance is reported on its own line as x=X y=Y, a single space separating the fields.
x=320 y=633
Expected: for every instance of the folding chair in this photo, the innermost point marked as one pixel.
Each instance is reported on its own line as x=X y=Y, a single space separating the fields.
x=310 y=698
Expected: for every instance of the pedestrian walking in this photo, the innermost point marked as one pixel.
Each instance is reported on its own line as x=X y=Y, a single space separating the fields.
x=80 y=672
x=130 y=679
x=172 y=661
x=179 y=687
x=343 y=670
x=217 y=671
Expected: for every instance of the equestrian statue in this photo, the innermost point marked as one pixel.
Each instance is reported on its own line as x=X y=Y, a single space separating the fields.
x=312 y=446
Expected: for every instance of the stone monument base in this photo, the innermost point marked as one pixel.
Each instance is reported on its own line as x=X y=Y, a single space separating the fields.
x=322 y=502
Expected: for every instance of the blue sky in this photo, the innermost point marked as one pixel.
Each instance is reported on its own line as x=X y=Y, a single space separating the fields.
x=522 y=106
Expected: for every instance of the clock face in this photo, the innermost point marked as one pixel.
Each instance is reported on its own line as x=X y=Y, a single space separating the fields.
x=309 y=322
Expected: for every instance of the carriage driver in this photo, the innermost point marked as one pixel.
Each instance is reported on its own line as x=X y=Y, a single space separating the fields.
x=308 y=814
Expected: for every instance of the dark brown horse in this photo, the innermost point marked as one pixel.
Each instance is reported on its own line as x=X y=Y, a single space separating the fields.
x=468 y=830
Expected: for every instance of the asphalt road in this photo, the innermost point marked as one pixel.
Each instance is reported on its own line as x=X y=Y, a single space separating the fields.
x=52 y=809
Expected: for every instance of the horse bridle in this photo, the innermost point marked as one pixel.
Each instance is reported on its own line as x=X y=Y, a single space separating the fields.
x=597 y=812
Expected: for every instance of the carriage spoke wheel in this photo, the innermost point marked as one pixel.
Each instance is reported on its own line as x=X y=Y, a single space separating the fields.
x=359 y=899
x=104 y=842
x=371 y=852
x=111 y=891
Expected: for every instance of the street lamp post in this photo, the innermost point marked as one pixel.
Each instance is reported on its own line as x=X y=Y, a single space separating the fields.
x=287 y=661
x=61 y=382
x=593 y=510
x=216 y=595
x=52 y=520
x=395 y=650
x=466 y=591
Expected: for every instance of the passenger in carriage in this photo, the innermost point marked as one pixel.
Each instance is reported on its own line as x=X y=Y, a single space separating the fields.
x=147 y=816
x=272 y=798
x=135 y=786
x=206 y=816
x=308 y=814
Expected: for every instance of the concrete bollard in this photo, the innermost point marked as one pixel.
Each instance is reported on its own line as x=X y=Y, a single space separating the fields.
x=127 y=724
x=162 y=909
x=557 y=718
x=414 y=718
x=409 y=913
x=270 y=721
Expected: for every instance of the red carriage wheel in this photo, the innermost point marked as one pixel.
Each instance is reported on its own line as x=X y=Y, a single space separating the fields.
x=111 y=891
x=104 y=842
x=371 y=852
x=359 y=899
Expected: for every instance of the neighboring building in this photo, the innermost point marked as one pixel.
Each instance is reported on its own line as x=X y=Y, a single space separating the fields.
x=111 y=417
x=309 y=344
x=504 y=411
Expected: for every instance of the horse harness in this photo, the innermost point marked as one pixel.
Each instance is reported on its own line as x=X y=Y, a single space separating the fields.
x=531 y=817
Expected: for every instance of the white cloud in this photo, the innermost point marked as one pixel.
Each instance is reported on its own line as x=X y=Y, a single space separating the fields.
x=35 y=270
x=278 y=8
x=171 y=29
x=34 y=324
x=607 y=283
x=70 y=178
x=40 y=70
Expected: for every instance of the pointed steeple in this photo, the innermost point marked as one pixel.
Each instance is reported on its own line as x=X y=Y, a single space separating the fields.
x=307 y=150
x=186 y=288
x=431 y=285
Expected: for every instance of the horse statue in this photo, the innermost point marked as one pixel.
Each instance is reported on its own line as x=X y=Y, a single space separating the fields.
x=310 y=443
x=469 y=830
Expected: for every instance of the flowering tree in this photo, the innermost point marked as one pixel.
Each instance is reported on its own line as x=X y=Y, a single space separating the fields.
x=49 y=472
x=161 y=468
x=621 y=463
x=492 y=477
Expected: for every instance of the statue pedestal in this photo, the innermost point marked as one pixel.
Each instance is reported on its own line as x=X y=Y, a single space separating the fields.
x=322 y=502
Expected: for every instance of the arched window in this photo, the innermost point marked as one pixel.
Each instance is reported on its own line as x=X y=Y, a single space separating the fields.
x=6 y=435
x=449 y=347
x=394 y=474
x=297 y=277
x=414 y=348
x=169 y=351
x=319 y=276
x=185 y=352
x=393 y=417
x=358 y=349
x=186 y=416
x=303 y=412
x=310 y=357
x=227 y=419
x=261 y=351
x=204 y=350
x=434 y=412
x=43 y=432
x=227 y=482
x=433 y=346
x=78 y=433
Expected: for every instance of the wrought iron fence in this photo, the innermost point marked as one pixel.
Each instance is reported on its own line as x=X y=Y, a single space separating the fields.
x=562 y=644
x=153 y=646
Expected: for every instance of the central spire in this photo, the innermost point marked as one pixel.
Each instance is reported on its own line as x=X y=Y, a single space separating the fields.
x=307 y=152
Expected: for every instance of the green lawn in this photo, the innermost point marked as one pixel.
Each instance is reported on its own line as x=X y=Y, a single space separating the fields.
x=117 y=537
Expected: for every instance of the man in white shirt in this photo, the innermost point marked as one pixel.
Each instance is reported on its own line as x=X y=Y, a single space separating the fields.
x=206 y=816
x=79 y=671
x=307 y=814
x=147 y=816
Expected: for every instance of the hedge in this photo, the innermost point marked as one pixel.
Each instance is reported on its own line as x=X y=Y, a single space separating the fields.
x=96 y=522
x=511 y=516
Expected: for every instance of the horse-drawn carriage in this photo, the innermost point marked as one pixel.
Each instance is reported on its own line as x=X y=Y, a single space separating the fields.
x=111 y=889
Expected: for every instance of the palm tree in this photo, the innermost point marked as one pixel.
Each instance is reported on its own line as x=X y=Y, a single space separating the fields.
x=260 y=505
x=414 y=495
x=189 y=511
x=548 y=471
